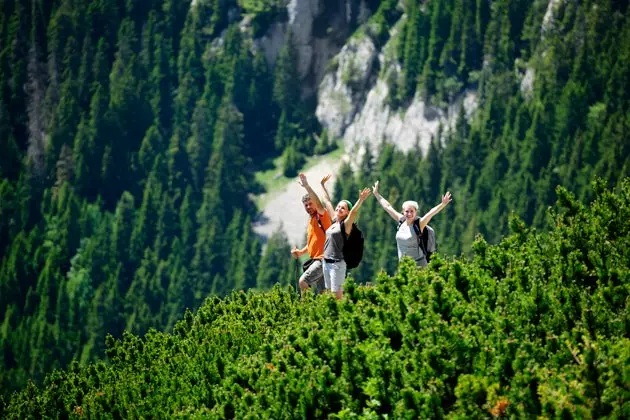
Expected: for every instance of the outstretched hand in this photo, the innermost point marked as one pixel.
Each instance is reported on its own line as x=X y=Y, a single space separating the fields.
x=365 y=193
x=375 y=188
x=302 y=180
x=446 y=198
x=326 y=178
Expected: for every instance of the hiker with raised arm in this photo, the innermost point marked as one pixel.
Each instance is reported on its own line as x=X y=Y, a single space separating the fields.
x=337 y=239
x=327 y=201
x=411 y=228
x=319 y=221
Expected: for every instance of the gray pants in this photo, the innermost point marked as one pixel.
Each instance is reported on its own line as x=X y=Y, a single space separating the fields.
x=314 y=276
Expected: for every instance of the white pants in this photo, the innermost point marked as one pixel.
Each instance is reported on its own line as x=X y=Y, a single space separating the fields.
x=335 y=275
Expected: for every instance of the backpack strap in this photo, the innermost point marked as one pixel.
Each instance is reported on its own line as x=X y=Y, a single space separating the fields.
x=421 y=237
x=343 y=231
x=319 y=222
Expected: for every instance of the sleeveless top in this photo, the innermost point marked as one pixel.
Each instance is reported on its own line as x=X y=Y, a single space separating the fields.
x=333 y=248
x=407 y=244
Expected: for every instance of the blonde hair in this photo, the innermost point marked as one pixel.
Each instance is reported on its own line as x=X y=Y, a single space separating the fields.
x=413 y=204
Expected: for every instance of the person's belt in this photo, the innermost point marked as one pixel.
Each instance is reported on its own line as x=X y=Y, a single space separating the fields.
x=331 y=261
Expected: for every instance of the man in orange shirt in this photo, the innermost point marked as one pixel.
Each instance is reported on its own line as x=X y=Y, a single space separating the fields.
x=315 y=237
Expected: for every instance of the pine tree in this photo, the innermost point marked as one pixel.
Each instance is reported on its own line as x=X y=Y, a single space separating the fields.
x=199 y=144
x=228 y=171
x=433 y=167
x=10 y=160
x=151 y=147
x=293 y=160
x=177 y=162
x=440 y=20
x=121 y=239
x=258 y=119
x=187 y=223
x=36 y=91
x=286 y=86
x=411 y=63
x=84 y=77
x=276 y=262
x=17 y=75
x=145 y=224
x=64 y=123
x=283 y=132
x=88 y=146
x=189 y=74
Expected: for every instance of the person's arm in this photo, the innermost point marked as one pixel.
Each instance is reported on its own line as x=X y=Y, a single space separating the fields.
x=385 y=204
x=327 y=202
x=355 y=210
x=314 y=198
x=297 y=253
x=446 y=198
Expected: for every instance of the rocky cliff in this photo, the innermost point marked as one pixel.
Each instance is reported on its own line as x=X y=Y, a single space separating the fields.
x=353 y=99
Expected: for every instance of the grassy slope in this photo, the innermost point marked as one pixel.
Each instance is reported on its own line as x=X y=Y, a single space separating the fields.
x=275 y=182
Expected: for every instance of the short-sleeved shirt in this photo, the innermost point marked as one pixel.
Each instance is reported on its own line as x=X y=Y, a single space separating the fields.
x=333 y=249
x=407 y=244
x=316 y=236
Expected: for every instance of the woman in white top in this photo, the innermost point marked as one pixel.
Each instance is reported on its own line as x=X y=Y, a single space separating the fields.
x=406 y=238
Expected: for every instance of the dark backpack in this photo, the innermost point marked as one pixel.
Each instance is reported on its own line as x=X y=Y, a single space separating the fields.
x=426 y=239
x=352 y=246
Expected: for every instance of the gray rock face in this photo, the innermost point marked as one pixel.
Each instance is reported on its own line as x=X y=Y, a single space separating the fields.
x=549 y=19
x=417 y=124
x=343 y=89
x=302 y=13
x=353 y=102
x=314 y=49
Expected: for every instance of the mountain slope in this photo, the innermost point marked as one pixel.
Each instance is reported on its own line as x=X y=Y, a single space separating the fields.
x=535 y=326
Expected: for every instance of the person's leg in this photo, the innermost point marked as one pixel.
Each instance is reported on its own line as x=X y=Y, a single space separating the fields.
x=321 y=286
x=338 y=278
x=326 y=268
x=312 y=275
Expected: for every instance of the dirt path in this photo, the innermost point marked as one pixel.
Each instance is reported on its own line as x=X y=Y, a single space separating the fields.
x=285 y=209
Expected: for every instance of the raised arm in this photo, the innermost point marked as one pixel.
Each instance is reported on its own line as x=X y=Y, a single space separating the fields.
x=327 y=201
x=355 y=210
x=385 y=204
x=446 y=198
x=314 y=198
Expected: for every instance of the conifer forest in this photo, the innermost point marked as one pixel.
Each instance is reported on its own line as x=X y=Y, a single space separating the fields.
x=134 y=285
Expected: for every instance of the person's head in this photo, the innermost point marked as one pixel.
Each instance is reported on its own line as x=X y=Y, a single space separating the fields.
x=410 y=209
x=308 y=204
x=342 y=209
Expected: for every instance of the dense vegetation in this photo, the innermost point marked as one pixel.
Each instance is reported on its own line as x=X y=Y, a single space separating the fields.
x=129 y=135
x=129 y=132
x=538 y=325
x=564 y=125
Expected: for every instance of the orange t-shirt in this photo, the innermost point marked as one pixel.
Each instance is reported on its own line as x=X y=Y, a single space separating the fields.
x=316 y=236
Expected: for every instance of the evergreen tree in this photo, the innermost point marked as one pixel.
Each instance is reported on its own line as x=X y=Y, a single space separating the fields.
x=151 y=147
x=411 y=63
x=122 y=229
x=286 y=86
x=10 y=161
x=199 y=145
x=17 y=75
x=259 y=122
x=276 y=264
x=293 y=160
x=228 y=171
